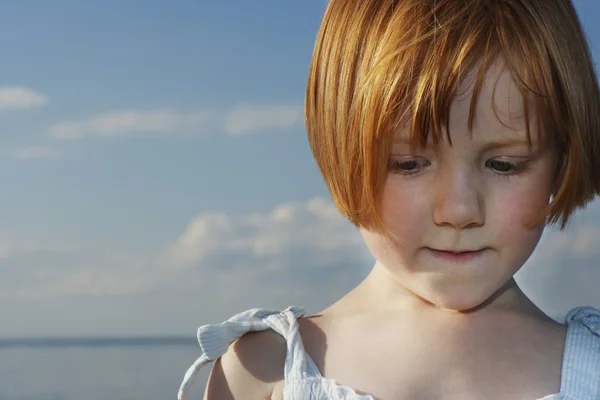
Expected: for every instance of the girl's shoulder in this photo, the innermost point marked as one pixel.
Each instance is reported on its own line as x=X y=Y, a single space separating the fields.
x=249 y=350
x=251 y=364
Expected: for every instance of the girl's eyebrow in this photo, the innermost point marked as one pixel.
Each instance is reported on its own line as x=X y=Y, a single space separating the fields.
x=401 y=140
x=511 y=142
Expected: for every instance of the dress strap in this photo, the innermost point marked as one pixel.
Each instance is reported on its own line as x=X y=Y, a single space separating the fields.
x=581 y=365
x=215 y=339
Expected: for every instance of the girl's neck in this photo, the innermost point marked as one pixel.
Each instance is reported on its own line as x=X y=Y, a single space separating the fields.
x=379 y=292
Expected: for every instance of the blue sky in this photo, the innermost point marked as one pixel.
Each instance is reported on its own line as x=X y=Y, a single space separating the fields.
x=156 y=174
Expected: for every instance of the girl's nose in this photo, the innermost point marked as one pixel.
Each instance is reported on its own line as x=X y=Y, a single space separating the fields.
x=458 y=202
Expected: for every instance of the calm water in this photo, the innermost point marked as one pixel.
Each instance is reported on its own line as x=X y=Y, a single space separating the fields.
x=97 y=369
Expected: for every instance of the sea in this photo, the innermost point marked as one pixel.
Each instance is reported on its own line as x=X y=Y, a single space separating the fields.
x=98 y=369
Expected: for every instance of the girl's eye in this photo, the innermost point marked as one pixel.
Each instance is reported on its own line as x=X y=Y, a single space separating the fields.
x=507 y=167
x=409 y=166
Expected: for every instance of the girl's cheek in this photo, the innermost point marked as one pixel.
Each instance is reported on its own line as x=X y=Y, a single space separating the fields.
x=511 y=212
x=402 y=204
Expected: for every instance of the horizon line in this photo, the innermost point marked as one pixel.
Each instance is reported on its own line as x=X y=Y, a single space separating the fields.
x=98 y=341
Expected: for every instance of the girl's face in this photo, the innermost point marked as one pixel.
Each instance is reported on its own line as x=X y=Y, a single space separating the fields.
x=459 y=213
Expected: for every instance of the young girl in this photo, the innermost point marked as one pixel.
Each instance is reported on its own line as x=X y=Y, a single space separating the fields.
x=450 y=132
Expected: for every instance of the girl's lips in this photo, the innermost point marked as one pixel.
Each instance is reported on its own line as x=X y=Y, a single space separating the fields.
x=456 y=256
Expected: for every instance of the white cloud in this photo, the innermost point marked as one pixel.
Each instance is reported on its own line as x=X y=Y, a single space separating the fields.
x=10 y=248
x=242 y=119
x=126 y=122
x=94 y=280
x=314 y=228
x=248 y=118
x=18 y=97
x=36 y=152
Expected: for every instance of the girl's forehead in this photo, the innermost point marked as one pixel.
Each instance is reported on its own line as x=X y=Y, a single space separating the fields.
x=499 y=100
x=499 y=109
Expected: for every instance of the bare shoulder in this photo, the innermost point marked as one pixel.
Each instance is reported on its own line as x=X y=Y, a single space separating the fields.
x=251 y=368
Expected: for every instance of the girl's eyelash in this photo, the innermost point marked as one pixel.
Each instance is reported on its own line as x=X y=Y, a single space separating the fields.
x=407 y=167
x=508 y=168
